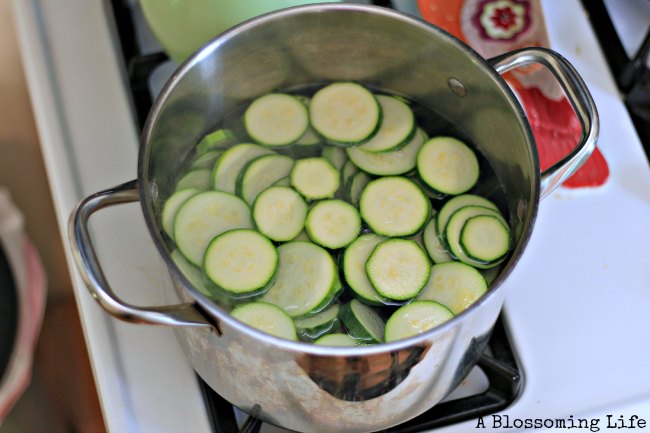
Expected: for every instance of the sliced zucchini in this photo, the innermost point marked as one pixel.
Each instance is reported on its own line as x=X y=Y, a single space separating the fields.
x=335 y=156
x=432 y=243
x=215 y=140
x=346 y=114
x=362 y=322
x=333 y=223
x=267 y=318
x=455 y=285
x=315 y=178
x=171 y=207
x=388 y=163
x=232 y=161
x=319 y=324
x=206 y=160
x=279 y=213
x=397 y=126
x=240 y=262
x=454 y=229
x=204 y=216
x=285 y=181
x=276 y=119
x=306 y=281
x=260 y=174
x=398 y=269
x=197 y=178
x=485 y=238
x=302 y=236
x=338 y=340
x=415 y=318
x=309 y=138
x=354 y=269
x=348 y=171
x=394 y=206
x=456 y=203
x=356 y=187
x=448 y=165
x=193 y=274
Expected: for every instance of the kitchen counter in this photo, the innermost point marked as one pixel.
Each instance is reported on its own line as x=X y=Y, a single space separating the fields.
x=577 y=304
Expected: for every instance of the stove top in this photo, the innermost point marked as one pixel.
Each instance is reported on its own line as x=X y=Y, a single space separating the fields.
x=577 y=301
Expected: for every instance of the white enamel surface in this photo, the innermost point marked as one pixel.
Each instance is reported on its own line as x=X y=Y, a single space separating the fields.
x=574 y=362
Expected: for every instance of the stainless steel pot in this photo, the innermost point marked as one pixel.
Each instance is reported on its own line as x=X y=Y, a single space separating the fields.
x=306 y=387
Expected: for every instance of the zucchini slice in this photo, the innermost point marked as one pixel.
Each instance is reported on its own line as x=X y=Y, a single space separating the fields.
x=485 y=238
x=335 y=155
x=267 y=318
x=448 y=165
x=215 y=140
x=416 y=318
x=338 y=340
x=333 y=223
x=455 y=285
x=240 y=262
x=261 y=173
x=394 y=206
x=356 y=187
x=195 y=178
x=279 y=213
x=203 y=217
x=232 y=161
x=306 y=281
x=398 y=269
x=388 y=163
x=362 y=322
x=315 y=178
x=319 y=324
x=276 y=119
x=206 y=160
x=432 y=243
x=454 y=230
x=346 y=113
x=191 y=272
x=456 y=203
x=171 y=207
x=354 y=269
x=397 y=126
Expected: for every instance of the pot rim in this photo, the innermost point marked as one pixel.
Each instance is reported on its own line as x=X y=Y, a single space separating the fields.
x=216 y=312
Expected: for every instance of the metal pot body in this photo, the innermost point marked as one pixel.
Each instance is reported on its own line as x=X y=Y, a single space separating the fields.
x=300 y=386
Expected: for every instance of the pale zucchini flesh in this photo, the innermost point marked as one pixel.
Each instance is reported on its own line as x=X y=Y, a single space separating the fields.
x=319 y=324
x=276 y=119
x=171 y=207
x=266 y=318
x=396 y=129
x=196 y=178
x=362 y=322
x=232 y=161
x=345 y=113
x=448 y=165
x=306 y=279
x=279 y=213
x=315 y=178
x=240 y=262
x=333 y=223
x=354 y=269
x=485 y=238
x=388 y=163
x=416 y=318
x=455 y=285
x=456 y=203
x=394 y=206
x=398 y=269
x=433 y=244
x=337 y=340
x=261 y=173
x=204 y=216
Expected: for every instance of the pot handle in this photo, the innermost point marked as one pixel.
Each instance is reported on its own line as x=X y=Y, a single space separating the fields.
x=93 y=276
x=578 y=95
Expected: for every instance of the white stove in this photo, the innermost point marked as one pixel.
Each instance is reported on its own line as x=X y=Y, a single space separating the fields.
x=578 y=303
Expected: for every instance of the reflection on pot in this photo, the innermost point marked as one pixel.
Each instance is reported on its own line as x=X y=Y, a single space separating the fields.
x=362 y=378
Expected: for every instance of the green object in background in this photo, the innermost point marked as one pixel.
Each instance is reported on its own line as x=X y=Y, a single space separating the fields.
x=182 y=26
